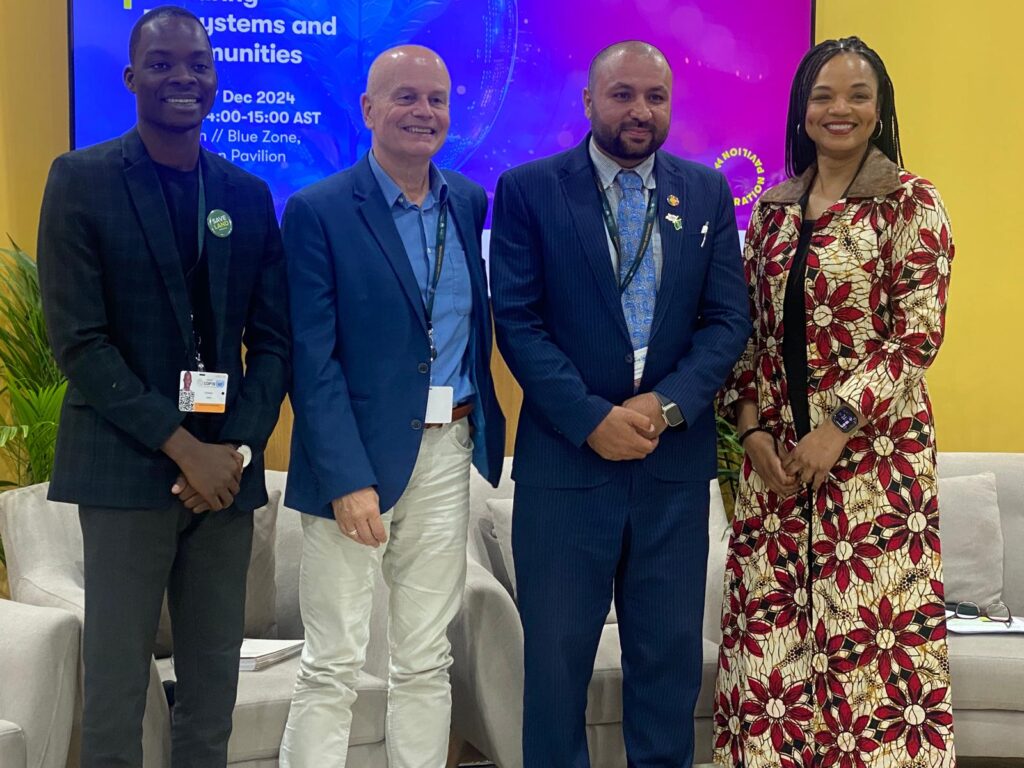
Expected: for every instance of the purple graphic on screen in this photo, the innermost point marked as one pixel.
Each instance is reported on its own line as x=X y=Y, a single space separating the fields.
x=518 y=70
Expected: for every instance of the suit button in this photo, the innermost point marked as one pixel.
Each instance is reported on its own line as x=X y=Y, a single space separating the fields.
x=423 y=368
x=629 y=358
x=416 y=424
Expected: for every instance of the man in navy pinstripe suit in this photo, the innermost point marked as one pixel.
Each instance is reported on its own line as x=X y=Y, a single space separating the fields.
x=620 y=307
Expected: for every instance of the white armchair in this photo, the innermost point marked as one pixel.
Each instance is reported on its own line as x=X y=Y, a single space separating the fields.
x=38 y=680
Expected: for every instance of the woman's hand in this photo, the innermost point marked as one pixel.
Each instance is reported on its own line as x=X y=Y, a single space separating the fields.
x=760 y=447
x=816 y=454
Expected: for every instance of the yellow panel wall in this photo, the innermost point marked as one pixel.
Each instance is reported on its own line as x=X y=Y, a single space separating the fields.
x=962 y=124
x=955 y=67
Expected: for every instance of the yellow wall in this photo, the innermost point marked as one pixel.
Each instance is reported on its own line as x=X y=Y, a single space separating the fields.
x=962 y=125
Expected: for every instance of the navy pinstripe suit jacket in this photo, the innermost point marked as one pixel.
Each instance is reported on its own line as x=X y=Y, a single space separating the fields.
x=118 y=317
x=561 y=328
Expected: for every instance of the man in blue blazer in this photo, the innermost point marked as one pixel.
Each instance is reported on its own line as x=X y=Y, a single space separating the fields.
x=620 y=307
x=393 y=400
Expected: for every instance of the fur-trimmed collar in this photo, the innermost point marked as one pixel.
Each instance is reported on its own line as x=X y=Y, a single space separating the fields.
x=879 y=176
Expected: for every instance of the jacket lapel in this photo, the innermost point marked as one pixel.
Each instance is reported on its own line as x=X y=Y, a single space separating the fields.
x=373 y=210
x=669 y=184
x=462 y=216
x=151 y=210
x=583 y=202
x=217 y=250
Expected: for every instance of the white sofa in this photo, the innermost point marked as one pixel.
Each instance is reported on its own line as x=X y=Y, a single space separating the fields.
x=44 y=550
x=38 y=680
x=987 y=670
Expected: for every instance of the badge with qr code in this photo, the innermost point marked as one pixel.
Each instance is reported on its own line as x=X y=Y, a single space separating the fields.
x=202 y=392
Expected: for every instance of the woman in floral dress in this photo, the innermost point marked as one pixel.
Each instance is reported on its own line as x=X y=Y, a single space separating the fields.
x=834 y=637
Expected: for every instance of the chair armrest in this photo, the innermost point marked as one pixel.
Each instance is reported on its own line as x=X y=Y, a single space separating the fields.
x=12 y=746
x=487 y=669
x=39 y=670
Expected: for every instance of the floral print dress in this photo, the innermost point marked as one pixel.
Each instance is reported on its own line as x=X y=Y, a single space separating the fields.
x=834 y=638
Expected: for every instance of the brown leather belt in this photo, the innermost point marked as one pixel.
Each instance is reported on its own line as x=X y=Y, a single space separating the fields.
x=458 y=412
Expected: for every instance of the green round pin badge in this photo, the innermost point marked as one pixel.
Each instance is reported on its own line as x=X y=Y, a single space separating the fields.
x=219 y=222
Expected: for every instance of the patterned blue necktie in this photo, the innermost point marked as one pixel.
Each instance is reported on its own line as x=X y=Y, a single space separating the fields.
x=638 y=298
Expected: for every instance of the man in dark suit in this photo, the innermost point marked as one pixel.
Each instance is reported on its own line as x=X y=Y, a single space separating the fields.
x=156 y=261
x=620 y=307
x=393 y=400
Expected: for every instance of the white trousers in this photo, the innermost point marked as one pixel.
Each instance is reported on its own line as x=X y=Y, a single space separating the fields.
x=424 y=565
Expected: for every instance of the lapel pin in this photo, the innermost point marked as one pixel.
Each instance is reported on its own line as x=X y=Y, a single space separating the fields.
x=674 y=220
x=219 y=223
x=672 y=200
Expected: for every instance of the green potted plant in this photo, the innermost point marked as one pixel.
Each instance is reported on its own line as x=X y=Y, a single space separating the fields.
x=730 y=461
x=31 y=386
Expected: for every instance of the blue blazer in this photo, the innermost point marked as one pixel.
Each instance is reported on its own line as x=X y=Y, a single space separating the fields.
x=361 y=350
x=561 y=329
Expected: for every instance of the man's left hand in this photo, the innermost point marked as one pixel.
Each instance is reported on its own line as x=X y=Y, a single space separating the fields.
x=649 y=405
x=816 y=454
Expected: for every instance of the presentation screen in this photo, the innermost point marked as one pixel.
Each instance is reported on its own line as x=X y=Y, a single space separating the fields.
x=291 y=73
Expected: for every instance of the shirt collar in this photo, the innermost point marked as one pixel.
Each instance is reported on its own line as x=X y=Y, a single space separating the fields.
x=393 y=193
x=608 y=169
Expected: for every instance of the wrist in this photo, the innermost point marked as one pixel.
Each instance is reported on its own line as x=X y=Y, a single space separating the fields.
x=751 y=431
x=180 y=447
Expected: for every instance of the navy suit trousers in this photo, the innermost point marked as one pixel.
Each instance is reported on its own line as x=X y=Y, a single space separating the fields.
x=645 y=541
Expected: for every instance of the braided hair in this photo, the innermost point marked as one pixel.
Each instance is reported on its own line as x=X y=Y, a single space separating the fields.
x=800 y=150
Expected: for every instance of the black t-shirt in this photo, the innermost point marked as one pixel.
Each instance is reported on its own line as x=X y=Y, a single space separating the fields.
x=794 y=332
x=181 y=192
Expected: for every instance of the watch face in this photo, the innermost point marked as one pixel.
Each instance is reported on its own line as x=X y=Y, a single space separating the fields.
x=844 y=418
x=673 y=416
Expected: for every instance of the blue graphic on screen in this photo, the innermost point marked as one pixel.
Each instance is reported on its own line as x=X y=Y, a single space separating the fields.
x=291 y=74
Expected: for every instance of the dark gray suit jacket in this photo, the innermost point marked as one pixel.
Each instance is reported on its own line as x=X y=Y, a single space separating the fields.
x=118 y=317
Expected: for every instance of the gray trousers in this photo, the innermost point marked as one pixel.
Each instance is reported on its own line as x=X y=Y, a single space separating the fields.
x=131 y=557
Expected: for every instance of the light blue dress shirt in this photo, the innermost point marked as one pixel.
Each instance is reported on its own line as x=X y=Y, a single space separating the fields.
x=453 y=302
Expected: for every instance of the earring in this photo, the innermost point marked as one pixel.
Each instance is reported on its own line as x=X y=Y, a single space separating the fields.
x=878 y=134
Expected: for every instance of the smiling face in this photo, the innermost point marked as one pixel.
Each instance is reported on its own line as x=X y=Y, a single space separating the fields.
x=406 y=105
x=629 y=105
x=842 y=110
x=172 y=75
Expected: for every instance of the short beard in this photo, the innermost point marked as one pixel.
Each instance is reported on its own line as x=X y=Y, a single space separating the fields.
x=611 y=142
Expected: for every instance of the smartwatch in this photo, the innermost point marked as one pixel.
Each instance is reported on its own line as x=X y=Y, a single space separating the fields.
x=670 y=412
x=845 y=419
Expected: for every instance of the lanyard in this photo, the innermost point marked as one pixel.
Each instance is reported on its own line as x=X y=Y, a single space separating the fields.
x=200 y=243
x=442 y=228
x=613 y=231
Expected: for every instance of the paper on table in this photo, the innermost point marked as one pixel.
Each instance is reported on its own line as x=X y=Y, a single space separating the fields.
x=983 y=626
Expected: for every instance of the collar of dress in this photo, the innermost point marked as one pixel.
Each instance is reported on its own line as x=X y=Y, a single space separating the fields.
x=878 y=177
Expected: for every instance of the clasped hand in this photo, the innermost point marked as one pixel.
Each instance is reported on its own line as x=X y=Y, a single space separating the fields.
x=815 y=455
x=210 y=477
x=629 y=431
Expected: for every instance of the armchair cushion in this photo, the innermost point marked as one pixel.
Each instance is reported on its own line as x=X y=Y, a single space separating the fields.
x=972 y=538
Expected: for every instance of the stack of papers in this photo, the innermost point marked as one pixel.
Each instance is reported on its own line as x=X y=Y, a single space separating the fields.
x=260 y=654
x=983 y=626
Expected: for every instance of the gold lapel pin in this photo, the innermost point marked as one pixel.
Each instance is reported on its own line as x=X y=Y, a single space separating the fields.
x=672 y=200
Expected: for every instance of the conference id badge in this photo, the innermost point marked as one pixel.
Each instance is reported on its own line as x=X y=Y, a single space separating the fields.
x=639 y=361
x=202 y=392
x=439 y=405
